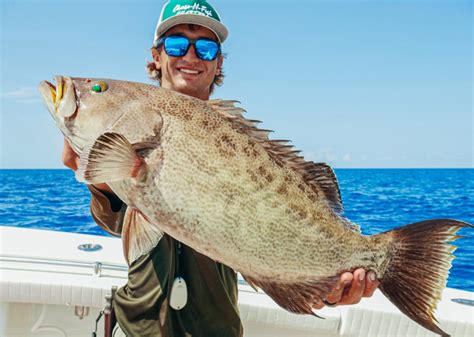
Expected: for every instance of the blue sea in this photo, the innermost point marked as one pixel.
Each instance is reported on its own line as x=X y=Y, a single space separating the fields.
x=376 y=199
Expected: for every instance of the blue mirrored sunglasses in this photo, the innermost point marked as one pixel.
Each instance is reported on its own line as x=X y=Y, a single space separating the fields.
x=177 y=46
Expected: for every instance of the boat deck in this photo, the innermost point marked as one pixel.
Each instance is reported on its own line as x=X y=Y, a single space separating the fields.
x=47 y=284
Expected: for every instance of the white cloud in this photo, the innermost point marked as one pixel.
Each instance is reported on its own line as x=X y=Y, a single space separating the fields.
x=321 y=155
x=327 y=155
x=22 y=93
x=309 y=156
x=347 y=157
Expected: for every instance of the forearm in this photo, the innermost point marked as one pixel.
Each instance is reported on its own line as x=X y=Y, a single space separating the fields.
x=107 y=210
x=115 y=202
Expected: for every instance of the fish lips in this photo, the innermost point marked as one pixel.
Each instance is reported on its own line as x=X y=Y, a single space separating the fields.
x=60 y=99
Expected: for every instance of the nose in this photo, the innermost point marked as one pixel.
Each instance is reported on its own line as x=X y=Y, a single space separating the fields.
x=191 y=54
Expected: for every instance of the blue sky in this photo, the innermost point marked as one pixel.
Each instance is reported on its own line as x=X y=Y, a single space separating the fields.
x=351 y=83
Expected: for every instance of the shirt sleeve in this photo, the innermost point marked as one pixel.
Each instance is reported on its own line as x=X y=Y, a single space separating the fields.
x=107 y=213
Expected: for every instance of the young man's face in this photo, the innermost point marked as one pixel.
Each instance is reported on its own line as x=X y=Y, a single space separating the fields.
x=188 y=74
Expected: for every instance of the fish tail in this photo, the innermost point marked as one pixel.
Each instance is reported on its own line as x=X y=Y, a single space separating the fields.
x=418 y=268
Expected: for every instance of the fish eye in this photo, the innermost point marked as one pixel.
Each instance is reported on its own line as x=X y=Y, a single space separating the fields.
x=100 y=86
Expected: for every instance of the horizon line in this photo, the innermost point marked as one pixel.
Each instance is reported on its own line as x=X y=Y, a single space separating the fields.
x=333 y=167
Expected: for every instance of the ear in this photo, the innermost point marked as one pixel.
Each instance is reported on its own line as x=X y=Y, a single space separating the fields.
x=220 y=62
x=156 y=57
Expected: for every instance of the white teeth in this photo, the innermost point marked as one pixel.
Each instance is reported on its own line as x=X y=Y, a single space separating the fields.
x=189 y=71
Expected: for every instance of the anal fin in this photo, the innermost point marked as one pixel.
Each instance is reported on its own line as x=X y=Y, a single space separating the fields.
x=298 y=297
x=139 y=235
x=250 y=282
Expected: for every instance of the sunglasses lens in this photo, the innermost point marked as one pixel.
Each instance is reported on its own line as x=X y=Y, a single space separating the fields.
x=206 y=49
x=176 y=45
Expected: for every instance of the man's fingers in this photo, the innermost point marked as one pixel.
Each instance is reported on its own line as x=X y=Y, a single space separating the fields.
x=353 y=286
x=69 y=157
x=336 y=294
x=356 y=289
x=318 y=305
x=371 y=284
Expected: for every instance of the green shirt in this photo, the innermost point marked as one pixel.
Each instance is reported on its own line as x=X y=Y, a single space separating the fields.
x=142 y=305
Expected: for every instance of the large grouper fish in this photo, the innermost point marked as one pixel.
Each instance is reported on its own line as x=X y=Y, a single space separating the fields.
x=201 y=172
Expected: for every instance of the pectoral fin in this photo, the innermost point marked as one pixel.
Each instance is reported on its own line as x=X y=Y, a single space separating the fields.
x=109 y=158
x=139 y=235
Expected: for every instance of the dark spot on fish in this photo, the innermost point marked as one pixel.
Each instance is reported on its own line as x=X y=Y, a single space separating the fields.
x=173 y=104
x=252 y=175
x=278 y=162
x=131 y=95
x=228 y=142
x=269 y=178
x=226 y=146
x=325 y=232
x=313 y=196
x=315 y=217
x=211 y=124
x=250 y=151
x=298 y=210
x=186 y=114
x=229 y=193
x=302 y=213
x=205 y=123
x=282 y=189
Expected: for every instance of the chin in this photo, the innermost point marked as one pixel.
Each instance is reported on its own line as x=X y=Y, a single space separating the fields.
x=187 y=88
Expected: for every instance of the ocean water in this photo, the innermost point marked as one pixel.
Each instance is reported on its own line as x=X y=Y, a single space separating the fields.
x=376 y=199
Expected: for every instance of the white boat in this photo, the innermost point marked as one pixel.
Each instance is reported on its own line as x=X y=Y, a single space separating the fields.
x=50 y=287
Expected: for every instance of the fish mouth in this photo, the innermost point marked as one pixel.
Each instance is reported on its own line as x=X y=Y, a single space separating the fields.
x=60 y=99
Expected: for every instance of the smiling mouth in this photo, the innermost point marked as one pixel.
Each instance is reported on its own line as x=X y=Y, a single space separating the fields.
x=189 y=71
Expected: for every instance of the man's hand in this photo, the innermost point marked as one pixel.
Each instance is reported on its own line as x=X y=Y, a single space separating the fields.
x=71 y=160
x=352 y=287
x=69 y=157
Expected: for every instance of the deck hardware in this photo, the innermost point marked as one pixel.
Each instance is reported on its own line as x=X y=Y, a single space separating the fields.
x=109 y=315
x=97 y=269
x=89 y=247
x=81 y=311
x=464 y=301
x=94 y=333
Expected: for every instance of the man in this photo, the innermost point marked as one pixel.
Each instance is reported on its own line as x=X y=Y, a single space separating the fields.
x=186 y=58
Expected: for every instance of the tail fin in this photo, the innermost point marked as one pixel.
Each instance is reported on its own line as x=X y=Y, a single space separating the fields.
x=418 y=270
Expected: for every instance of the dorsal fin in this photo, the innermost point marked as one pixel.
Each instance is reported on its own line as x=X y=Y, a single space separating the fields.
x=323 y=175
x=319 y=176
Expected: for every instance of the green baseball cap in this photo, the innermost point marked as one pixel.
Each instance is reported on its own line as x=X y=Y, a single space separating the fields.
x=198 y=12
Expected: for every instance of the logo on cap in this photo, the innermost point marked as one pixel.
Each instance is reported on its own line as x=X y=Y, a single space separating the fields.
x=192 y=9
